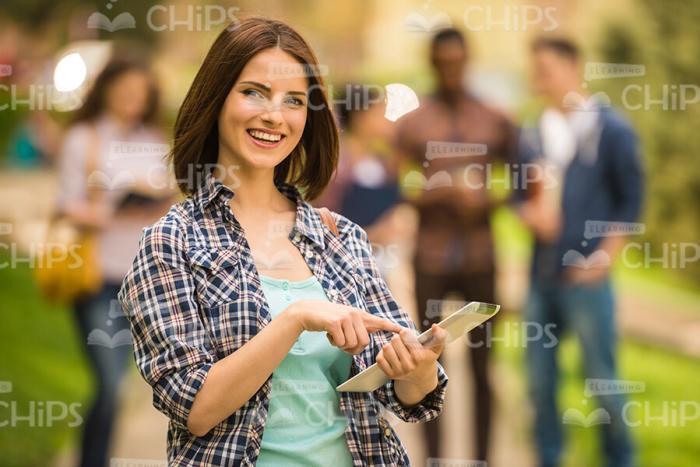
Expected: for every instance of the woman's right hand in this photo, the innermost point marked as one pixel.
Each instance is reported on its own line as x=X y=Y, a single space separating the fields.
x=346 y=327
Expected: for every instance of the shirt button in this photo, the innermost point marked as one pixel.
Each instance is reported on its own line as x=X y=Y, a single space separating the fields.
x=285 y=285
x=387 y=432
x=288 y=297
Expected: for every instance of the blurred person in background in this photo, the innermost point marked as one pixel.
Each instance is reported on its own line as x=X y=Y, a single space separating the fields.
x=113 y=132
x=365 y=187
x=592 y=157
x=454 y=248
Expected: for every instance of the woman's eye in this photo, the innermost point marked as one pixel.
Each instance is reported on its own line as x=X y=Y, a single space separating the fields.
x=295 y=101
x=252 y=93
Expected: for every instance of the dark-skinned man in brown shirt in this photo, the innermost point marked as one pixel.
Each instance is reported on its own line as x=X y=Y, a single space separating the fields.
x=458 y=142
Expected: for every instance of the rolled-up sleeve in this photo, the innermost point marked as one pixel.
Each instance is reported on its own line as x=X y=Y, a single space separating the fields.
x=380 y=302
x=172 y=347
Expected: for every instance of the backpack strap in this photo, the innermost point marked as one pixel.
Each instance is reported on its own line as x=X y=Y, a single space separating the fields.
x=328 y=220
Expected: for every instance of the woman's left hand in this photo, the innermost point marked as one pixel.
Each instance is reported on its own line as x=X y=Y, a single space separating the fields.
x=406 y=359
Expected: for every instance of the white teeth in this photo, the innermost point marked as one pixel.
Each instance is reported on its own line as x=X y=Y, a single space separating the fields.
x=265 y=136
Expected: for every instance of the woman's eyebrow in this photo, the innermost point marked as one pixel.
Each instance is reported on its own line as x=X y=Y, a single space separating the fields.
x=267 y=88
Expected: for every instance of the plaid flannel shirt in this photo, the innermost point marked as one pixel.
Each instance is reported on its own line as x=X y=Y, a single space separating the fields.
x=193 y=296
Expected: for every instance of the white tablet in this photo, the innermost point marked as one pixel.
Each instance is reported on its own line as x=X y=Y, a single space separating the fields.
x=457 y=324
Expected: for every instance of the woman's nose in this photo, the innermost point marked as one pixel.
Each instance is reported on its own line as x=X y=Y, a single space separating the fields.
x=272 y=114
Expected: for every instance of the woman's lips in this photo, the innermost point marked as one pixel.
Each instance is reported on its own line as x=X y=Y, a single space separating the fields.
x=264 y=144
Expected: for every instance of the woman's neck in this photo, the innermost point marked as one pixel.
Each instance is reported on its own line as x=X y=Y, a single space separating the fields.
x=255 y=191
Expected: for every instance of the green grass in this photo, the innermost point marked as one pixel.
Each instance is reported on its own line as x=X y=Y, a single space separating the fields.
x=668 y=379
x=42 y=358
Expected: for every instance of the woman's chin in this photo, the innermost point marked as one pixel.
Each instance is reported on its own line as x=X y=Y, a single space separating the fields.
x=264 y=161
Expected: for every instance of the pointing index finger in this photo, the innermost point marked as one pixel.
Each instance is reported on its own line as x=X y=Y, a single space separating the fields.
x=375 y=323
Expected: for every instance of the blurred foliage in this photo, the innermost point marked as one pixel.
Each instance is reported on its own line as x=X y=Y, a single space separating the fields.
x=663 y=37
x=31 y=13
x=35 y=14
x=43 y=360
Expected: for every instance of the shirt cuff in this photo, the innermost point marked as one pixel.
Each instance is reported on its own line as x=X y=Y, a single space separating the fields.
x=175 y=393
x=425 y=410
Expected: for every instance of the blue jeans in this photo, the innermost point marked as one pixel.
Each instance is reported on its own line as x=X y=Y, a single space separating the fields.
x=109 y=360
x=588 y=311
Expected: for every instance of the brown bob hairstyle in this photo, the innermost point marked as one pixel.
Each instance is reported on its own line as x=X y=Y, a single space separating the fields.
x=196 y=140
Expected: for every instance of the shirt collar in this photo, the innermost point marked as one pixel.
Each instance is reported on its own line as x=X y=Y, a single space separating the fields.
x=308 y=221
x=210 y=189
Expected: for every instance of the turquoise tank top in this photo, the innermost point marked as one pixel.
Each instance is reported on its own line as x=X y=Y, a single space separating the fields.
x=305 y=426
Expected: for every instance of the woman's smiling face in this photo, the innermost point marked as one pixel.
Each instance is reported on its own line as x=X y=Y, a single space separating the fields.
x=263 y=117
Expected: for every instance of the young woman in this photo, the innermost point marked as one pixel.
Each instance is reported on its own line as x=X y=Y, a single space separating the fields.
x=119 y=109
x=246 y=308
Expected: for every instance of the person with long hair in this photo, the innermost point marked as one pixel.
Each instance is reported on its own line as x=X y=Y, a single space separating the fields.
x=247 y=305
x=101 y=163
